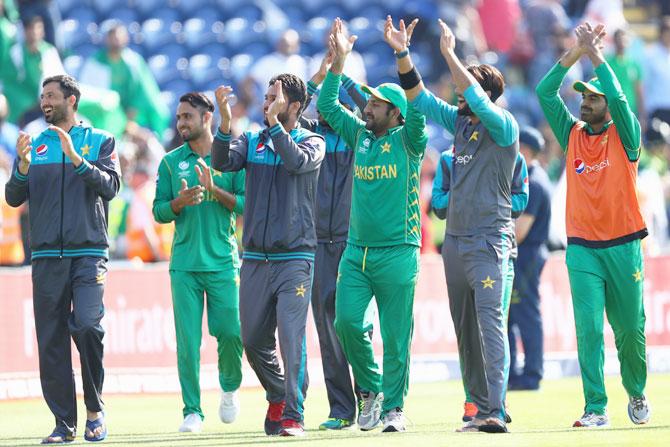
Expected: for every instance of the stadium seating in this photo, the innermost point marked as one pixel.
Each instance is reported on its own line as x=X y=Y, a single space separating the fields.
x=199 y=44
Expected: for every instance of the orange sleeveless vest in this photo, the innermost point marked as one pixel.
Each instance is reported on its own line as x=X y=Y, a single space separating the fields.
x=602 y=205
x=11 y=246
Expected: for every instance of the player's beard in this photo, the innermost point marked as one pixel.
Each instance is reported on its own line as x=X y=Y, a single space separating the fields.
x=281 y=117
x=58 y=114
x=193 y=133
x=465 y=110
x=591 y=116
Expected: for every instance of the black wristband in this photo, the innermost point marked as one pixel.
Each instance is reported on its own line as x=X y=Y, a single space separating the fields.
x=402 y=54
x=410 y=79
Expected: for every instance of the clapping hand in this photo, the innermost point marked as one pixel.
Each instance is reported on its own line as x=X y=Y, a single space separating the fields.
x=23 y=150
x=398 y=39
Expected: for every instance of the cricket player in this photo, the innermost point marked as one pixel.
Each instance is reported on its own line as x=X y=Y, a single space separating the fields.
x=332 y=227
x=440 y=204
x=480 y=232
x=204 y=266
x=382 y=253
x=604 y=225
x=282 y=165
x=67 y=174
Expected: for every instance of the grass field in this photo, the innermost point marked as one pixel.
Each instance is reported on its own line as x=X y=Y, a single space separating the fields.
x=540 y=419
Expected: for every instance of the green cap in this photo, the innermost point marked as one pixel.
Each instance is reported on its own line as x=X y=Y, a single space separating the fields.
x=391 y=93
x=593 y=86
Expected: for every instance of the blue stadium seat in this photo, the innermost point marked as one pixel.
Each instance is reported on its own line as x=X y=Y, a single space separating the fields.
x=314 y=7
x=171 y=99
x=178 y=87
x=65 y=6
x=240 y=64
x=148 y=8
x=258 y=49
x=209 y=15
x=316 y=30
x=216 y=50
x=248 y=11
x=379 y=63
x=85 y=50
x=369 y=31
x=155 y=34
x=83 y=14
x=295 y=14
x=419 y=8
x=197 y=33
x=105 y=7
x=73 y=33
x=125 y=15
x=239 y=33
x=174 y=51
x=202 y=70
x=167 y=15
x=72 y=65
x=189 y=8
x=163 y=68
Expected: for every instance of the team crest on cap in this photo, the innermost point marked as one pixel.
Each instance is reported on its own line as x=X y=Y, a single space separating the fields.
x=41 y=150
x=579 y=166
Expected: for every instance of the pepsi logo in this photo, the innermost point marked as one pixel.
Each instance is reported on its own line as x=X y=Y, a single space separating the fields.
x=183 y=165
x=581 y=167
x=260 y=147
x=41 y=150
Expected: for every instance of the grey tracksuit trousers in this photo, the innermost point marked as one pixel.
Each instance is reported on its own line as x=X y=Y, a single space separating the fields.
x=275 y=295
x=475 y=268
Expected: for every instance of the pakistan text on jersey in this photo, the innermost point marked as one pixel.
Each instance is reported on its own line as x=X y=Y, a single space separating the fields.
x=376 y=172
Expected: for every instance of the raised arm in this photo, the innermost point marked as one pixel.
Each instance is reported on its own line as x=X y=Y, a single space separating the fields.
x=557 y=114
x=313 y=88
x=354 y=91
x=499 y=122
x=343 y=121
x=227 y=155
x=16 y=188
x=410 y=80
x=627 y=125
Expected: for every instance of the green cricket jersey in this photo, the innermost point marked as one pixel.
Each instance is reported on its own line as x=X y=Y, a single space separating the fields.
x=385 y=196
x=204 y=239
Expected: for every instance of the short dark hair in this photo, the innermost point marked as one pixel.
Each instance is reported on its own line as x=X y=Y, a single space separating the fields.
x=490 y=78
x=68 y=85
x=389 y=107
x=198 y=100
x=294 y=88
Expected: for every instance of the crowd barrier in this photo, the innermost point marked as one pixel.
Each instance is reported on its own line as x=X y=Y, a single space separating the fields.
x=140 y=341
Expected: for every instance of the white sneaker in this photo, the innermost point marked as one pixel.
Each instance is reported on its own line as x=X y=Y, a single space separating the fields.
x=369 y=410
x=592 y=420
x=229 y=407
x=394 y=421
x=639 y=410
x=192 y=424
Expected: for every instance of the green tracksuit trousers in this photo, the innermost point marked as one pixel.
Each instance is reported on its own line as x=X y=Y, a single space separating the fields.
x=220 y=292
x=608 y=280
x=389 y=274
